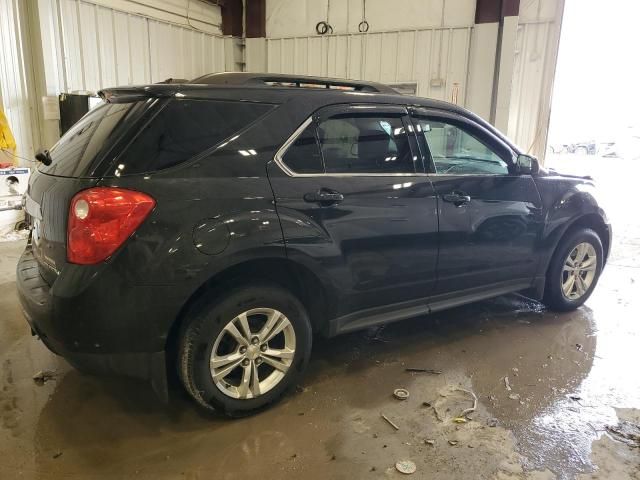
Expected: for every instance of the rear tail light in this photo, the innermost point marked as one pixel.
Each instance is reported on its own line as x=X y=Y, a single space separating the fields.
x=101 y=219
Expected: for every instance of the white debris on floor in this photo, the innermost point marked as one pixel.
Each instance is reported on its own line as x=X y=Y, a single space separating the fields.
x=14 y=235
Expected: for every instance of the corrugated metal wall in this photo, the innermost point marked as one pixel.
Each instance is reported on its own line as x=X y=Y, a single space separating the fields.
x=16 y=87
x=436 y=59
x=428 y=57
x=55 y=46
x=99 y=47
x=84 y=45
x=534 y=68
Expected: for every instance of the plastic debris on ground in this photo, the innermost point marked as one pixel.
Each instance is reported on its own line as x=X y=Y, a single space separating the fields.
x=406 y=466
x=44 y=376
x=401 y=393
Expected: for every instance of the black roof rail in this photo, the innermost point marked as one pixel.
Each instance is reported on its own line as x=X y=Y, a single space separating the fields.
x=286 y=80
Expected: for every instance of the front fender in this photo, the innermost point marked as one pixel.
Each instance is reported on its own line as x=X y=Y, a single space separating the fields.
x=566 y=202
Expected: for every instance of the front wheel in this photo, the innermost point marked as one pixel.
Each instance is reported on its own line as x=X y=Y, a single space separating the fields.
x=574 y=270
x=244 y=349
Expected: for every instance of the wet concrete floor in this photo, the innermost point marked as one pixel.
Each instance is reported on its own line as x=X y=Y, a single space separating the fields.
x=571 y=376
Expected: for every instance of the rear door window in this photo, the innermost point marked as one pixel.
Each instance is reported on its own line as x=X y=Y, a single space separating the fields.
x=303 y=156
x=184 y=129
x=365 y=143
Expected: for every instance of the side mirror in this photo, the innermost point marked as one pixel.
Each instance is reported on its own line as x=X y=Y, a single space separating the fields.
x=527 y=165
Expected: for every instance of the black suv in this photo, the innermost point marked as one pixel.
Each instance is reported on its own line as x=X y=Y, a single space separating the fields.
x=211 y=228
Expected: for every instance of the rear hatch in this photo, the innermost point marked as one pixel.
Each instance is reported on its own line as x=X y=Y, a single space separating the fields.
x=78 y=161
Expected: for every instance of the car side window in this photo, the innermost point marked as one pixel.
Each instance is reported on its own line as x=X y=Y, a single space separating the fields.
x=303 y=155
x=364 y=143
x=184 y=129
x=456 y=151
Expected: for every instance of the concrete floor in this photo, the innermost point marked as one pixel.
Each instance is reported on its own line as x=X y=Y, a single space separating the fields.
x=571 y=376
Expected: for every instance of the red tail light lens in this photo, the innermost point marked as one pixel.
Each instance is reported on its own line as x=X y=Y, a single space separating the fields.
x=101 y=219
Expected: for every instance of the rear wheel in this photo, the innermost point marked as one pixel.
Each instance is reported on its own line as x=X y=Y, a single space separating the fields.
x=574 y=270
x=243 y=350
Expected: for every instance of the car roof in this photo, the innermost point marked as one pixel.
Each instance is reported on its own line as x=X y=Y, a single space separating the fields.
x=274 y=88
x=312 y=92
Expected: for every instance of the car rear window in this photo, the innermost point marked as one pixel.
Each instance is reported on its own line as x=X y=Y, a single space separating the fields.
x=83 y=146
x=184 y=129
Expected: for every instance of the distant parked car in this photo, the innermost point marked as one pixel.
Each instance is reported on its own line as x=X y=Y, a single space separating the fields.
x=607 y=149
x=210 y=229
x=625 y=145
x=582 y=148
x=557 y=148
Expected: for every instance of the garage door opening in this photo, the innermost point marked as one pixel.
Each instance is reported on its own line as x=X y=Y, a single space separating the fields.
x=595 y=127
x=594 y=121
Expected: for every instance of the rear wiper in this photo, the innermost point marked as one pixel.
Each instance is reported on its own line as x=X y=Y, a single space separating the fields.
x=44 y=157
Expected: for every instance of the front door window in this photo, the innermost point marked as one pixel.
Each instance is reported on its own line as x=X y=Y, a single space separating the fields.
x=455 y=151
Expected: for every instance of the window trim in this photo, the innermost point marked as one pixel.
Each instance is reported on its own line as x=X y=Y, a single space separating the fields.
x=456 y=120
x=285 y=146
x=329 y=110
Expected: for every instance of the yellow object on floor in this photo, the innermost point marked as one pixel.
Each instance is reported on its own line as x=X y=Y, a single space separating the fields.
x=7 y=142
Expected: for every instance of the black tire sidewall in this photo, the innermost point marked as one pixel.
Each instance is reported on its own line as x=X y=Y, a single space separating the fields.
x=554 y=297
x=205 y=329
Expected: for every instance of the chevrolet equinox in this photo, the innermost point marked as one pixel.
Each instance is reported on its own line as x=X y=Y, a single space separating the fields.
x=211 y=228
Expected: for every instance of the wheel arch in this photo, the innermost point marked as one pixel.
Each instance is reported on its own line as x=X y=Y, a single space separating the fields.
x=591 y=220
x=315 y=295
x=588 y=220
x=595 y=223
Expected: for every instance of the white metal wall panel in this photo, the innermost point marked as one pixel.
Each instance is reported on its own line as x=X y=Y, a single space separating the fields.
x=299 y=17
x=103 y=25
x=16 y=87
x=399 y=56
x=103 y=47
x=89 y=43
x=532 y=60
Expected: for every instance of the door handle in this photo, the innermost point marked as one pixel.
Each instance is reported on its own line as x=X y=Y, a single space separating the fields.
x=457 y=198
x=324 y=197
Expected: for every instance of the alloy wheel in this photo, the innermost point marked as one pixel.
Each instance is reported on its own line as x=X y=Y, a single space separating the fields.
x=579 y=271
x=252 y=353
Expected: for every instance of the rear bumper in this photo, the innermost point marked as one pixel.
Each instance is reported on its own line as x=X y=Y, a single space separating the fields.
x=70 y=329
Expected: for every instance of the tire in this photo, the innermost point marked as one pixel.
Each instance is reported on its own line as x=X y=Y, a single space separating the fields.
x=208 y=332
x=21 y=225
x=554 y=296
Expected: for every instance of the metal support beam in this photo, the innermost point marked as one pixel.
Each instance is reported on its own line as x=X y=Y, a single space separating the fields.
x=232 y=22
x=256 y=19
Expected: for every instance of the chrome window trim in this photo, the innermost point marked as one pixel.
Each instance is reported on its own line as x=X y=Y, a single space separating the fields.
x=285 y=146
x=294 y=136
x=472 y=175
